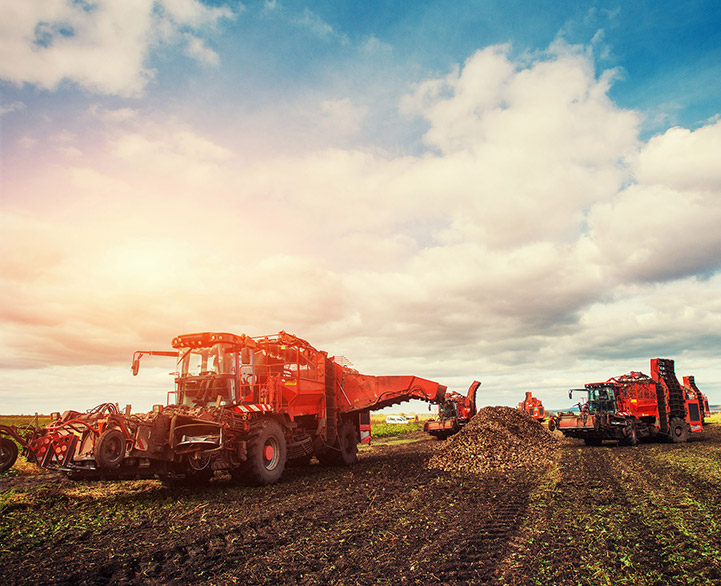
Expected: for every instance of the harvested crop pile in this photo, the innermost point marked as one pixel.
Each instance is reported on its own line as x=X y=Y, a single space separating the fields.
x=496 y=438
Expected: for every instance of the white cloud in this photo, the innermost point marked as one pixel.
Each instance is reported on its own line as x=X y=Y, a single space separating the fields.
x=374 y=46
x=342 y=116
x=198 y=50
x=196 y=14
x=536 y=144
x=112 y=116
x=315 y=24
x=45 y=43
x=11 y=107
x=665 y=225
x=683 y=159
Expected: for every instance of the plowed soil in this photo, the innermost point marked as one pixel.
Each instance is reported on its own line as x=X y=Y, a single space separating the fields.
x=583 y=515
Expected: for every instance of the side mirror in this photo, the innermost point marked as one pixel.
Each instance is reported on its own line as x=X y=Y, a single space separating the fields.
x=570 y=394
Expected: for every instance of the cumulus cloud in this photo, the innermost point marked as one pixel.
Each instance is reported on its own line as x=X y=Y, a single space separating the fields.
x=536 y=232
x=46 y=43
x=682 y=159
x=538 y=144
x=665 y=225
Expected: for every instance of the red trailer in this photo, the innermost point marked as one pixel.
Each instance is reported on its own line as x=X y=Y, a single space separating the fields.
x=634 y=406
x=243 y=404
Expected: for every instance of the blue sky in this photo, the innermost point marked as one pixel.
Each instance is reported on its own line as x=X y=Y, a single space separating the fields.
x=527 y=194
x=668 y=53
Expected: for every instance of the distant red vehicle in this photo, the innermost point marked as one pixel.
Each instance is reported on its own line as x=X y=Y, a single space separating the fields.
x=689 y=383
x=634 y=406
x=453 y=413
x=533 y=407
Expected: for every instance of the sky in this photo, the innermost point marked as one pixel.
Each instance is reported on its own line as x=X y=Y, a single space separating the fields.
x=522 y=193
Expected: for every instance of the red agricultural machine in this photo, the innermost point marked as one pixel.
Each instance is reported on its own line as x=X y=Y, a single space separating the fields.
x=689 y=384
x=533 y=407
x=241 y=404
x=634 y=406
x=453 y=413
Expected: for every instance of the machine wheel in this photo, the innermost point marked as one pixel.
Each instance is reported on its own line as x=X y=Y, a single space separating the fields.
x=348 y=443
x=551 y=425
x=345 y=449
x=678 y=430
x=110 y=449
x=267 y=454
x=8 y=454
x=630 y=434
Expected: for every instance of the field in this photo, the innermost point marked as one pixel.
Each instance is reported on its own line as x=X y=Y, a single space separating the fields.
x=645 y=515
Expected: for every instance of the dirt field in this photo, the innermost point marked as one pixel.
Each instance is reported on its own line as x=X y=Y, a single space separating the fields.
x=647 y=515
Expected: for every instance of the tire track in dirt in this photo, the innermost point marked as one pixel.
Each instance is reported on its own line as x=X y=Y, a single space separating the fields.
x=681 y=509
x=583 y=526
x=659 y=515
x=389 y=520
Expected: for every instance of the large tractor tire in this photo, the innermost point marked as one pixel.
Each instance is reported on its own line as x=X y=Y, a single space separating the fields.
x=678 y=430
x=348 y=444
x=110 y=449
x=630 y=437
x=8 y=454
x=267 y=454
x=345 y=450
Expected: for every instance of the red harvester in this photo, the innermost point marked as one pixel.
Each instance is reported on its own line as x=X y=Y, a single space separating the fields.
x=689 y=384
x=453 y=413
x=634 y=406
x=533 y=407
x=241 y=404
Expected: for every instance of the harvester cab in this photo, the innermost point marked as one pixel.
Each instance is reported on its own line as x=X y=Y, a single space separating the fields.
x=207 y=371
x=601 y=398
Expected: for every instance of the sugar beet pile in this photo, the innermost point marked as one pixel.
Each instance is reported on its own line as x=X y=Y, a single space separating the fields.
x=496 y=438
